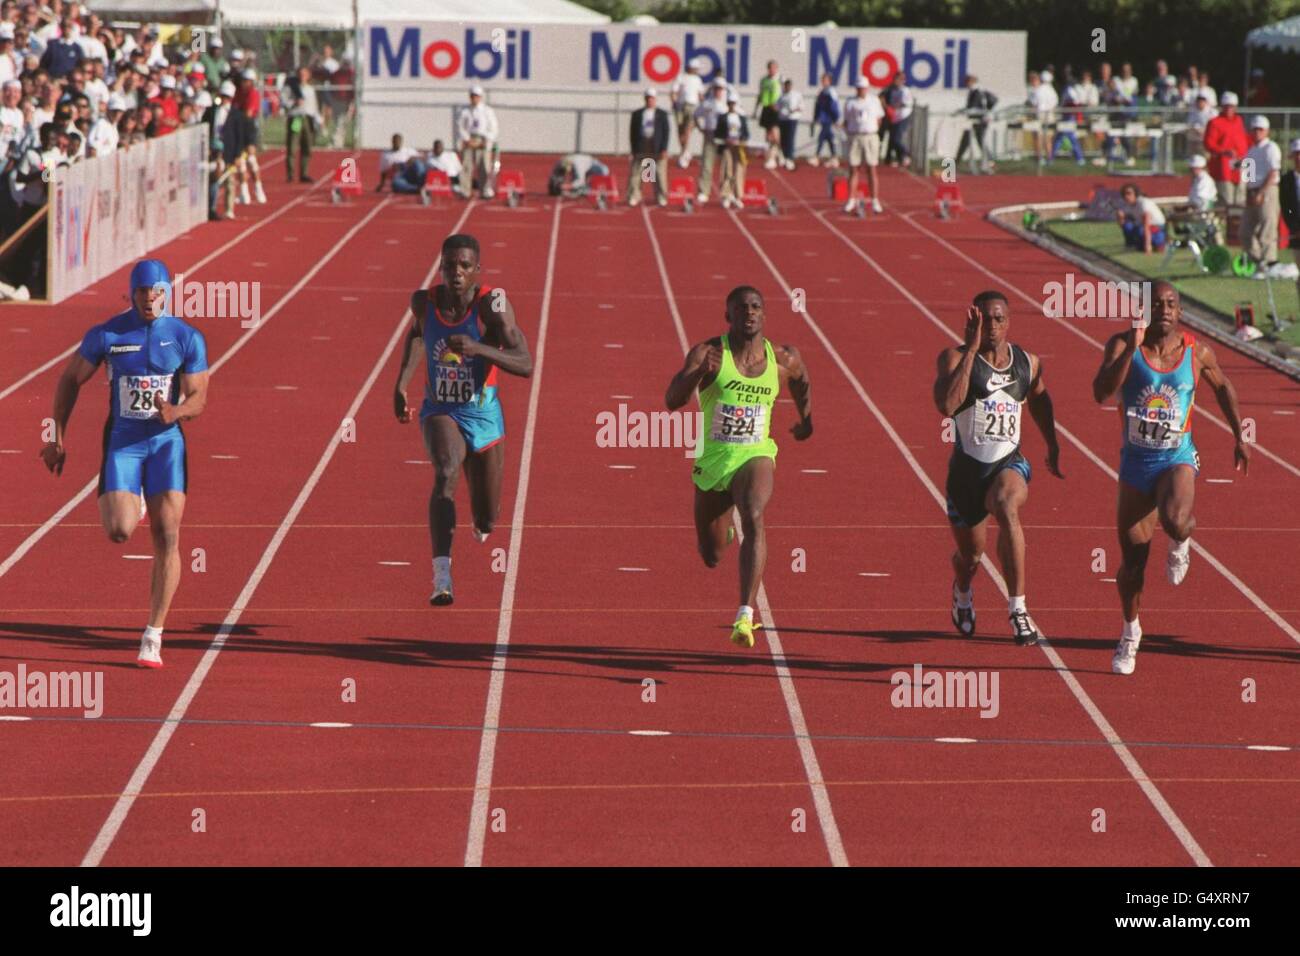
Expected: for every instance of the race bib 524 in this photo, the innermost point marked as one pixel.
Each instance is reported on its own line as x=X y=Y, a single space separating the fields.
x=739 y=424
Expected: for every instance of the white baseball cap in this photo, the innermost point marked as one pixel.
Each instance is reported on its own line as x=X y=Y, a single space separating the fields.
x=733 y=97
x=203 y=99
x=1228 y=99
x=116 y=101
x=1259 y=122
x=476 y=90
x=719 y=83
x=168 y=82
x=863 y=83
x=1295 y=146
x=6 y=31
x=1196 y=162
x=236 y=54
x=249 y=74
x=227 y=88
x=651 y=91
x=1046 y=76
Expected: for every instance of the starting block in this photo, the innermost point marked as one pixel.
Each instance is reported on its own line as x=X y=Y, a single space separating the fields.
x=837 y=184
x=511 y=182
x=947 y=201
x=681 y=192
x=604 y=190
x=755 y=194
x=1245 y=316
x=437 y=184
x=346 y=182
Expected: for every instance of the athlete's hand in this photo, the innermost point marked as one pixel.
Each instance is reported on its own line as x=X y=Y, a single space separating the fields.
x=802 y=429
x=974 y=328
x=1241 y=457
x=400 y=408
x=1054 y=460
x=711 y=363
x=462 y=345
x=168 y=412
x=53 y=455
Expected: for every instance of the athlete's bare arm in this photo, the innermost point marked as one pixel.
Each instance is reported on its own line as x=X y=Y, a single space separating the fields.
x=795 y=374
x=1226 y=395
x=955 y=366
x=1040 y=407
x=503 y=342
x=76 y=374
x=1115 y=363
x=194 y=398
x=702 y=364
x=412 y=356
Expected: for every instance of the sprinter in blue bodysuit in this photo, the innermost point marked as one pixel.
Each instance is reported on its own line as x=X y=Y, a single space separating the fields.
x=466 y=331
x=157 y=376
x=1156 y=367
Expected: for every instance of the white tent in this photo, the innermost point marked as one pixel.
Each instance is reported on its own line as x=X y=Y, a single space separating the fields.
x=1283 y=35
x=343 y=14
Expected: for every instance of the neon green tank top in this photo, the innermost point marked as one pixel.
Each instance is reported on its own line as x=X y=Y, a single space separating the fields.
x=737 y=417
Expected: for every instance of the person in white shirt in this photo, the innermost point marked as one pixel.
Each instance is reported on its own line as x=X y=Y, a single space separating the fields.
x=789 y=111
x=92 y=48
x=706 y=121
x=13 y=128
x=302 y=121
x=445 y=160
x=1202 y=193
x=103 y=137
x=862 y=116
x=686 y=95
x=96 y=88
x=1128 y=83
x=732 y=135
x=1042 y=102
x=1197 y=118
x=1208 y=90
x=10 y=65
x=476 y=128
x=1261 y=171
x=390 y=161
x=1142 y=221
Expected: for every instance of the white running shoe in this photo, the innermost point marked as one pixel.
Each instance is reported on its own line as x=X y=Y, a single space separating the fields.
x=150 y=652
x=441 y=588
x=1177 y=562
x=684 y=160
x=701 y=198
x=481 y=536
x=789 y=164
x=243 y=194
x=851 y=205
x=260 y=194
x=1126 y=652
x=876 y=207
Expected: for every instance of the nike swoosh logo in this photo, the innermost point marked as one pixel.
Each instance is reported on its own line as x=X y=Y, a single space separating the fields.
x=165 y=344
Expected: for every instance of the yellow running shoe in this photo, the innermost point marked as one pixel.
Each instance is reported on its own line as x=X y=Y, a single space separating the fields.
x=742 y=632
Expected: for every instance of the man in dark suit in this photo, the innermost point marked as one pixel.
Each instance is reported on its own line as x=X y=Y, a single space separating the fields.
x=1289 y=189
x=979 y=104
x=648 y=136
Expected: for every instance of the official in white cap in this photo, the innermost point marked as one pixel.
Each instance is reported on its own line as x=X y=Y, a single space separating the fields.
x=730 y=137
x=1201 y=192
x=686 y=95
x=1289 y=198
x=707 y=114
x=477 y=133
x=862 y=118
x=1261 y=172
x=648 y=136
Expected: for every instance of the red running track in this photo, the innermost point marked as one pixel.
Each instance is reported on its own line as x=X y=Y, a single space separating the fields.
x=514 y=728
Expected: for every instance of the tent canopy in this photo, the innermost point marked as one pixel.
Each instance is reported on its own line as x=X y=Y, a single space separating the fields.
x=1283 y=35
x=337 y=14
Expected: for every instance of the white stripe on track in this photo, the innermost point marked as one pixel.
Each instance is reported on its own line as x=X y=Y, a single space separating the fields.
x=812 y=767
x=1121 y=750
x=135 y=786
x=488 y=742
x=9 y=390
x=34 y=538
x=1038 y=308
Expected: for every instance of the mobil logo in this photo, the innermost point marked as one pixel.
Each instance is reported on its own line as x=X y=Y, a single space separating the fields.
x=847 y=59
x=497 y=53
x=628 y=58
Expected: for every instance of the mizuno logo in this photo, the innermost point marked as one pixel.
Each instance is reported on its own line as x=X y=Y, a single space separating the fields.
x=748 y=389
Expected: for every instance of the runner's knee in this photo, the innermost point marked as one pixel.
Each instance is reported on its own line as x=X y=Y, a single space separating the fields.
x=1178 y=521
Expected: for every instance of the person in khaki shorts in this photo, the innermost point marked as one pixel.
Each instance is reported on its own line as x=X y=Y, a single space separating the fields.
x=648 y=143
x=706 y=118
x=1260 y=172
x=1289 y=195
x=731 y=136
x=862 y=116
x=476 y=129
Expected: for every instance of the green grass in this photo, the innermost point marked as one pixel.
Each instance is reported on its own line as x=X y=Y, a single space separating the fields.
x=1220 y=293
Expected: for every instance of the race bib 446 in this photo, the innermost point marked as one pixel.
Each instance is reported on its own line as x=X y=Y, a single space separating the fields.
x=138 y=396
x=453 y=384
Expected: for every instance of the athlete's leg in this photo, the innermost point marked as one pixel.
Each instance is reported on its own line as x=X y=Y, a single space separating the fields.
x=483 y=471
x=1136 y=520
x=712 y=520
x=970 y=548
x=446 y=447
x=751 y=488
x=1175 y=495
x=165 y=511
x=1006 y=494
x=119 y=513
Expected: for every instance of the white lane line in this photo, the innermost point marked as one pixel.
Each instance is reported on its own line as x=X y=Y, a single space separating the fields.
x=135 y=786
x=396 y=564
x=613 y=345
x=623 y=467
x=492 y=716
x=225 y=457
x=955 y=740
x=650 y=733
x=813 y=471
x=138 y=557
x=1038 y=306
x=1268 y=747
x=188 y=271
x=331 y=724
x=634 y=569
x=14 y=717
x=32 y=539
x=620 y=396
x=873 y=574
x=812 y=767
x=1108 y=732
x=1219 y=481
